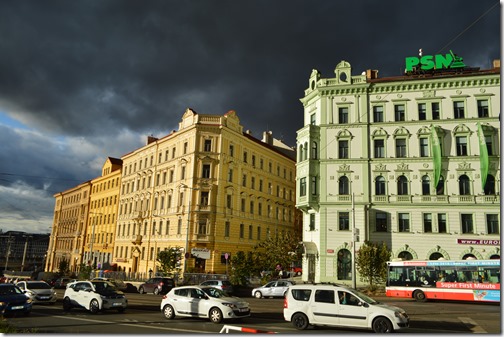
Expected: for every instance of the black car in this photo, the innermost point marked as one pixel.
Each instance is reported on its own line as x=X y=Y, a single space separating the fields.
x=157 y=285
x=13 y=300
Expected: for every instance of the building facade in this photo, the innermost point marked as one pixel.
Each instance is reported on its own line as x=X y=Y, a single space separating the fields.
x=21 y=251
x=208 y=189
x=412 y=161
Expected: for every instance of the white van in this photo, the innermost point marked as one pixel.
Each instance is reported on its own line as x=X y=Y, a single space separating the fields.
x=340 y=306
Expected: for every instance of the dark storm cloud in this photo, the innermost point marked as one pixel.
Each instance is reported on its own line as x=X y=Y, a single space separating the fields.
x=97 y=72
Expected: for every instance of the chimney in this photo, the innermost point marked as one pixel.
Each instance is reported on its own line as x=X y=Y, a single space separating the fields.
x=371 y=74
x=267 y=137
x=496 y=64
x=151 y=139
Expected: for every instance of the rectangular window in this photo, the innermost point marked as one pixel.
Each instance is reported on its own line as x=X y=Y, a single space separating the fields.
x=313 y=119
x=422 y=111
x=482 y=108
x=302 y=187
x=458 y=110
x=424 y=147
x=401 y=148
x=202 y=226
x=172 y=174
x=259 y=208
x=251 y=207
x=206 y=171
x=461 y=142
x=435 y=110
x=344 y=221
x=378 y=114
x=399 y=113
x=343 y=149
x=312 y=222
x=260 y=185
x=244 y=180
x=182 y=176
x=250 y=232
x=381 y=222
x=343 y=115
x=258 y=233
x=179 y=226
x=204 y=198
x=252 y=183
x=379 y=148
x=427 y=222
x=253 y=160
x=245 y=155
x=441 y=219
x=492 y=223
x=404 y=225
x=208 y=145
x=242 y=231
x=243 y=205
x=467 y=223
x=231 y=150
x=230 y=175
x=488 y=141
x=186 y=145
x=229 y=203
x=314 y=185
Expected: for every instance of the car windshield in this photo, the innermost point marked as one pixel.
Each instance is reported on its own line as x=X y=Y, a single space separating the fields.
x=38 y=285
x=102 y=286
x=215 y=292
x=10 y=290
x=364 y=297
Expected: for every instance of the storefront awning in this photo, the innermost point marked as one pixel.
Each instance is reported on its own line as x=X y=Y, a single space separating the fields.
x=310 y=248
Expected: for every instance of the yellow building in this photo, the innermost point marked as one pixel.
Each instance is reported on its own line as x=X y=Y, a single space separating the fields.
x=209 y=189
x=68 y=230
x=103 y=206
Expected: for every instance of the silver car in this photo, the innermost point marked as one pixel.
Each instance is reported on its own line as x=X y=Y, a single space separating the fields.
x=223 y=285
x=272 y=289
x=38 y=291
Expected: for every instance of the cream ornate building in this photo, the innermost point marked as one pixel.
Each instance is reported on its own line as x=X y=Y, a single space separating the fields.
x=412 y=161
x=209 y=189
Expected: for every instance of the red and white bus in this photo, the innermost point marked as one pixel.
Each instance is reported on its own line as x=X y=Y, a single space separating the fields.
x=464 y=280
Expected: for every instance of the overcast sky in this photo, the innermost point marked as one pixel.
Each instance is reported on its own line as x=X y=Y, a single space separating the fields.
x=84 y=80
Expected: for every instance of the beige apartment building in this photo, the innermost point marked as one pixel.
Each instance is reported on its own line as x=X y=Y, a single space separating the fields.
x=209 y=189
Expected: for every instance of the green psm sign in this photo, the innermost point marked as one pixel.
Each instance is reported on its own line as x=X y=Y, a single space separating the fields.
x=430 y=62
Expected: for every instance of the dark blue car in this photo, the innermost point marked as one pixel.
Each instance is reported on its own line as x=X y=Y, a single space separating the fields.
x=13 y=300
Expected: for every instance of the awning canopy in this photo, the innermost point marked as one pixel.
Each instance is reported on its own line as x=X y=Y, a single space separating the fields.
x=310 y=248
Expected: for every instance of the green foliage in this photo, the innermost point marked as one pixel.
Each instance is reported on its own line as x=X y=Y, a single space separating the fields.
x=281 y=249
x=371 y=262
x=85 y=272
x=243 y=265
x=170 y=260
x=63 y=267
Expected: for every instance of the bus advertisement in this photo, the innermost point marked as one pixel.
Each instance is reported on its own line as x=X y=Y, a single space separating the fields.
x=463 y=280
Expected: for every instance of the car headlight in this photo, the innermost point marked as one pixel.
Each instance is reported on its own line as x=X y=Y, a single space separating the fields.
x=231 y=305
x=401 y=315
x=29 y=300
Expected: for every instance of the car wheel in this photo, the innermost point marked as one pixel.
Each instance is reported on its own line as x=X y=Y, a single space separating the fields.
x=141 y=290
x=381 y=325
x=67 y=305
x=168 y=312
x=215 y=315
x=419 y=296
x=298 y=273
x=156 y=291
x=94 y=306
x=300 y=321
x=257 y=294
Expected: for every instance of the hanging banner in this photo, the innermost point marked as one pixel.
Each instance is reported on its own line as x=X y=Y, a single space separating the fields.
x=202 y=253
x=436 y=154
x=483 y=156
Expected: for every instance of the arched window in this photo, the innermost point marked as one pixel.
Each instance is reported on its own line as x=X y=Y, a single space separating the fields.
x=314 y=150
x=425 y=185
x=344 y=188
x=435 y=256
x=495 y=257
x=490 y=185
x=380 y=185
x=344 y=265
x=440 y=186
x=300 y=152
x=402 y=185
x=305 y=151
x=464 y=185
x=405 y=255
x=469 y=256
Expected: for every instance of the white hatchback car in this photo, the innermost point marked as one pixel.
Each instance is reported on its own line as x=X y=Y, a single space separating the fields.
x=94 y=296
x=339 y=306
x=38 y=291
x=203 y=301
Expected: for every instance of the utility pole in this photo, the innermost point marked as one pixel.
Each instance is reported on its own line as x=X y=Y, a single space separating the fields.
x=9 y=242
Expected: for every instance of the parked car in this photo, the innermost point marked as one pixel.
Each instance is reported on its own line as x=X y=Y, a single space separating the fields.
x=223 y=285
x=157 y=285
x=14 y=300
x=296 y=271
x=94 y=296
x=336 y=305
x=203 y=301
x=119 y=284
x=38 y=291
x=62 y=282
x=276 y=288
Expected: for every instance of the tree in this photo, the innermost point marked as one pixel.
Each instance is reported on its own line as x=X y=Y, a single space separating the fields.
x=170 y=259
x=243 y=265
x=371 y=262
x=281 y=250
x=63 y=267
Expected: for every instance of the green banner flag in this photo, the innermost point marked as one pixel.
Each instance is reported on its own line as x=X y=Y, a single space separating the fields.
x=483 y=156
x=436 y=154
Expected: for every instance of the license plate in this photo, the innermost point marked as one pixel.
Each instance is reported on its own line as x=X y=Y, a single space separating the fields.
x=17 y=307
x=44 y=298
x=244 y=309
x=116 y=304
